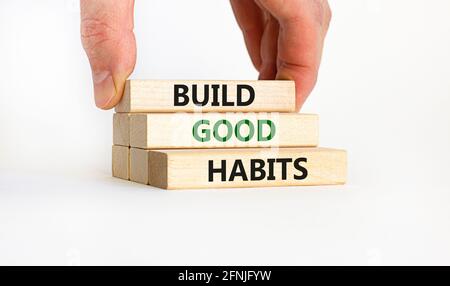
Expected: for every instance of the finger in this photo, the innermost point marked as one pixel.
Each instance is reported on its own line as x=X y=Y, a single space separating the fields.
x=303 y=26
x=250 y=20
x=108 y=39
x=269 y=47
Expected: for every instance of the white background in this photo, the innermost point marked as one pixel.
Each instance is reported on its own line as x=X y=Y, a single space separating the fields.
x=383 y=94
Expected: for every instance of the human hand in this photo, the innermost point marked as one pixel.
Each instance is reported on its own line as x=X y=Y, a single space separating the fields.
x=285 y=38
x=108 y=39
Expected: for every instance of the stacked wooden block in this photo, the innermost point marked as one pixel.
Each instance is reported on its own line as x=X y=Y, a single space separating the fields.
x=213 y=134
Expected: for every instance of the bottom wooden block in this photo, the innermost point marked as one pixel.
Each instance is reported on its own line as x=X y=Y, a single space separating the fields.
x=121 y=162
x=237 y=167
x=139 y=163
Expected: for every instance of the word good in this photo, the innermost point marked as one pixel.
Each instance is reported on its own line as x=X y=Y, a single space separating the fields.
x=202 y=130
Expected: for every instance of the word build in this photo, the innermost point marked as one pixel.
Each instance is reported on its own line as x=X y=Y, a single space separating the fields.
x=212 y=94
x=207 y=96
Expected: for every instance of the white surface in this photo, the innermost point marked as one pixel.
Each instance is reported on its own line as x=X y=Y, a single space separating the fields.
x=383 y=94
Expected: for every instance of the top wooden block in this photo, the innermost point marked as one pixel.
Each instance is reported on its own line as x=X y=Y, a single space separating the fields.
x=208 y=96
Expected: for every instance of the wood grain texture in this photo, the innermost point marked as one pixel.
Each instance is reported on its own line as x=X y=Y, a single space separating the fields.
x=176 y=130
x=158 y=96
x=121 y=129
x=121 y=162
x=139 y=165
x=238 y=167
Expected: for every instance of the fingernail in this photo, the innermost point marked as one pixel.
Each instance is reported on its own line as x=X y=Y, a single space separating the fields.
x=104 y=89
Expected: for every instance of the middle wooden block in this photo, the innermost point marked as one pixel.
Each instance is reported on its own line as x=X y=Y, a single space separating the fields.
x=223 y=130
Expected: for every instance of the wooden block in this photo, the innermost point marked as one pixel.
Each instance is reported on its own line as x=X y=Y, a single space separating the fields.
x=121 y=129
x=238 y=167
x=207 y=96
x=223 y=130
x=121 y=162
x=139 y=164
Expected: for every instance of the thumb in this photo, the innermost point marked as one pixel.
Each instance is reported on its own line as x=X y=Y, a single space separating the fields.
x=108 y=39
